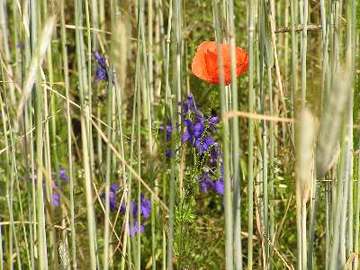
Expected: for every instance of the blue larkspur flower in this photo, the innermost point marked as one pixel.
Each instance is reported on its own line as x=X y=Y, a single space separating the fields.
x=135 y=229
x=100 y=59
x=112 y=200
x=145 y=206
x=169 y=130
x=202 y=145
x=112 y=195
x=133 y=208
x=193 y=130
x=114 y=187
x=213 y=120
x=198 y=129
x=63 y=175
x=219 y=186
x=55 y=199
x=186 y=136
x=205 y=182
x=101 y=73
x=189 y=105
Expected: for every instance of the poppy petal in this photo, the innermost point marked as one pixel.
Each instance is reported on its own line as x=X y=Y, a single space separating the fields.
x=198 y=66
x=205 y=62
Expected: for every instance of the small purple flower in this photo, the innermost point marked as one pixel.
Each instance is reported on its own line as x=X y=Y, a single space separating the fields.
x=135 y=229
x=100 y=59
x=112 y=196
x=169 y=153
x=186 y=136
x=133 y=208
x=205 y=182
x=112 y=200
x=55 y=199
x=202 y=145
x=198 y=129
x=145 y=206
x=208 y=141
x=101 y=73
x=114 y=187
x=169 y=130
x=188 y=123
x=189 y=105
x=219 y=186
x=63 y=175
x=213 y=120
x=122 y=208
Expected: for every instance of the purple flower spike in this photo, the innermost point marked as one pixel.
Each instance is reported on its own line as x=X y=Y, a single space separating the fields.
x=101 y=74
x=203 y=145
x=135 y=229
x=219 y=186
x=205 y=182
x=112 y=200
x=101 y=70
x=145 y=207
x=189 y=105
x=208 y=141
x=100 y=59
x=206 y=185
x=213 y=120
x=169 y=130
x=186 y=136
x=63 y=175
x=191 y=102
x=188 y=123
x=114 y=187
x=55 y=199
x=122 y=208
x=198 y=129
x=133 y=208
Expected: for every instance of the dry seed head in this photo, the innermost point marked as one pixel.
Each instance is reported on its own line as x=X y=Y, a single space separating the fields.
x=119 y=49
x=331 y=122
x=305 y=131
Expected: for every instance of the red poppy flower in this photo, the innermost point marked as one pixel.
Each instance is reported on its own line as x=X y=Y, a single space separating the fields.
x=205 y=65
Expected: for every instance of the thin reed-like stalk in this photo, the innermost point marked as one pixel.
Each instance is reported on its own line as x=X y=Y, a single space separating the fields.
x=85 y=136
x=235 y=136
x=69 y=133
x=251 y=104
x=228 y=194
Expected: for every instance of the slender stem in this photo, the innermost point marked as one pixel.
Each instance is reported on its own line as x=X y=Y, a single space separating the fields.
x=235 y=139
x=85 y=136
x=228 y=194
x=251 y=100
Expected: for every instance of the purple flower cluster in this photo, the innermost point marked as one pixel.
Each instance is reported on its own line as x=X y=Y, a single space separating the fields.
x=199 y=132
x=63 y=175
x=145 y=211
x=169 y=129
x=101 y=73
x=112 y=196
x=144 y=207
x=55 y=197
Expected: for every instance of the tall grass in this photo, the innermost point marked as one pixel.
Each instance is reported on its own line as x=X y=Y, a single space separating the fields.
x=288 y=133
